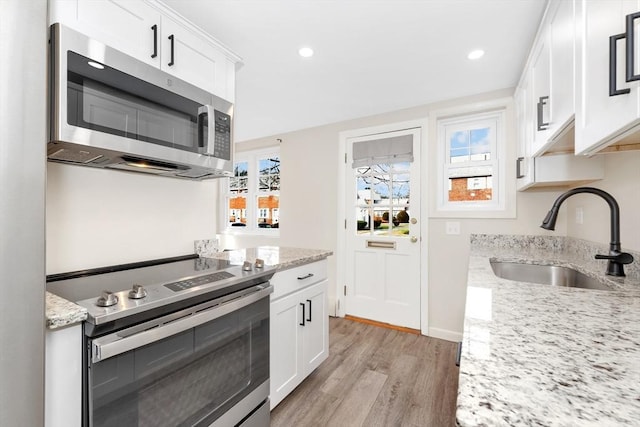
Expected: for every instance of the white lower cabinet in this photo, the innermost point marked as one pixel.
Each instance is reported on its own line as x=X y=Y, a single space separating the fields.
x=63 y=377
x=299 y=328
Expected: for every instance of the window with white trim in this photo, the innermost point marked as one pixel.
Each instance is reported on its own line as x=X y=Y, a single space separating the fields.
x=253 y=193
x=471 y=152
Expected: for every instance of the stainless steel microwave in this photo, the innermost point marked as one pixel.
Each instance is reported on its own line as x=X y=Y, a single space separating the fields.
x=109 y=110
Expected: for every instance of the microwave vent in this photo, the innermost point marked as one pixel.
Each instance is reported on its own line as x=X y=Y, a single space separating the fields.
x=74 y=156
x=197 y=174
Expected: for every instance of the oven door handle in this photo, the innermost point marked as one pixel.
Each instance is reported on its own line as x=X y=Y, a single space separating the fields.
x=117 y=343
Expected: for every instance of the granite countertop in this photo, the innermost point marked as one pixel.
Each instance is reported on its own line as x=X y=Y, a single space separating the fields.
x=60 y=312
x=543 y=355
x=281 y=257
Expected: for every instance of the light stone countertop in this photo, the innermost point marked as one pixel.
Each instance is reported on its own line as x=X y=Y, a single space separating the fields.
x=282 y=257
x=60 y=312
x=540 y=355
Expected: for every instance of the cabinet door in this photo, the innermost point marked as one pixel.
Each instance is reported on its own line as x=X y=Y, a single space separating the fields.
x=315 y=340
x=285 y=346
x=599 y=116
x=561 y=43
x=541 y=93
x=125 y=25
x=189 y=57
x=525 y=118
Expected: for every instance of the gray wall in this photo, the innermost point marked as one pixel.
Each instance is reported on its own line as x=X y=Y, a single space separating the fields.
x=622 y=181
x=23 y=42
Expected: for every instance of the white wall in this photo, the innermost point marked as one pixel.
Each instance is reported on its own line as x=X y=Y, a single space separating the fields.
x=622 y=181
x=310 y=162
x=97 y=217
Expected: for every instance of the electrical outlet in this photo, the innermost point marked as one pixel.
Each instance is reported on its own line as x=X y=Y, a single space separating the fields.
x=452 y=227
x=579 y=215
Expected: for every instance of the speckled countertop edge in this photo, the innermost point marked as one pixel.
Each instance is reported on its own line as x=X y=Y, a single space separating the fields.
x=283 y=258
x=541 y=355
x=59 y=312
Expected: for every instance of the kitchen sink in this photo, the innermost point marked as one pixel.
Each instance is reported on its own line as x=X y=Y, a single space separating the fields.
x=546 y=274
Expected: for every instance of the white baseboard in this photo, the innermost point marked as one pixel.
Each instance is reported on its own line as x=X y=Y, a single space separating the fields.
x=445 y=334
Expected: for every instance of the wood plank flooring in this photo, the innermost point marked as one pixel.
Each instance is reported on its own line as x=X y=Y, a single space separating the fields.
x=376 y=376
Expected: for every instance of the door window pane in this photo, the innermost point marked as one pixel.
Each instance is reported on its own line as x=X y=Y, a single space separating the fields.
x=383 y=199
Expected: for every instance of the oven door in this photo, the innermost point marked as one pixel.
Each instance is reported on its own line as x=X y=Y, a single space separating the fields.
x=204 y=364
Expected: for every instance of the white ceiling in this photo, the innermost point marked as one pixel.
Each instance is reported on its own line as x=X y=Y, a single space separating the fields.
x=371 y=56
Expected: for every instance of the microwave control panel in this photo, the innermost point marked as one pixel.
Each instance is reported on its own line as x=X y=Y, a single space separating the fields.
x=222 y=142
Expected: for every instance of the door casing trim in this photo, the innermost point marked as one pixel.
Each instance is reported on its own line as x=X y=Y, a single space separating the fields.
x=423 y=125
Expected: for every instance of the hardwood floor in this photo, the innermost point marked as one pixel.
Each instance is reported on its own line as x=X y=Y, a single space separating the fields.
x=376 y=377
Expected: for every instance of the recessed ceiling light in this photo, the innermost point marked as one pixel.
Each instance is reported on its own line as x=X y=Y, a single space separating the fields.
x=476 y=54
x=306 y=52
x=97 y=65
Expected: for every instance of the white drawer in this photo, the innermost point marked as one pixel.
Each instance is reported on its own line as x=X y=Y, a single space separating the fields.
x=293 y=279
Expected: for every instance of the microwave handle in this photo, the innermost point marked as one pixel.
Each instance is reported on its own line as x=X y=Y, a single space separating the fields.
x=206 y=111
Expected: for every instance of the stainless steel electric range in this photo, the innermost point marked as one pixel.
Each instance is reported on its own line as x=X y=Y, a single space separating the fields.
x=179 y=341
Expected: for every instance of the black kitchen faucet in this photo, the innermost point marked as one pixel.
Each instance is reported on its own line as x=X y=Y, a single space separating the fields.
x=617 y=258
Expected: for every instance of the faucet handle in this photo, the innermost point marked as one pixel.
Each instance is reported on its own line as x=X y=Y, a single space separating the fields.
x=620 y=258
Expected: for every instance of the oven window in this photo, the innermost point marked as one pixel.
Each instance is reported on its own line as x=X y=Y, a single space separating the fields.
x=187 y=379
x=113 y=102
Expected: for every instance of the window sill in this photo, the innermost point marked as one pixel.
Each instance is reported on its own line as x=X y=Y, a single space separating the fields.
x=243 y=231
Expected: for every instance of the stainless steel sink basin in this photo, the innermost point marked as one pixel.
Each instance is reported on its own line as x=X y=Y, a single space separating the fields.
x=546 y=275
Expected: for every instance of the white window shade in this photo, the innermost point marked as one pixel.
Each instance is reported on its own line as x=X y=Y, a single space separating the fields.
x=387 y=150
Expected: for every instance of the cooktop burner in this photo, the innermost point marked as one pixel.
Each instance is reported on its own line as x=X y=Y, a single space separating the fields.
x=111 y=293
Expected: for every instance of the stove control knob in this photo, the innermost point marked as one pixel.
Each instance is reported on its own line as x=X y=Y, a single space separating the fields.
x=247 y=266
x=107 y=299
x=259 y=263
x=137 y=292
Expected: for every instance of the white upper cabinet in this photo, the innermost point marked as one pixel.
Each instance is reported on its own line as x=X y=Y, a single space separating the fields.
x=562 y=44
x=540 y=92
x=153 y=33
x=552 y=74
x=133 y=26
x=191 y=58
x=607 y=105
x=545 y=107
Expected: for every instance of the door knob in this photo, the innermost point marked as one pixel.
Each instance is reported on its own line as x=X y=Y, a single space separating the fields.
x=414 y=239
x=414 y=221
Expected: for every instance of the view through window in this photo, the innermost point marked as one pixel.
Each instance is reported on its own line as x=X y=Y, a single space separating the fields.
x=253 y=199
x=382 y=206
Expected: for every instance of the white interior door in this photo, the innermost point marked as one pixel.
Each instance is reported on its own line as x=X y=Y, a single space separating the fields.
x=383 y=227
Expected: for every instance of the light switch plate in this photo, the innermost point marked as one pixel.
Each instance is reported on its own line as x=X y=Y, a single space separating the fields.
x=452 y=227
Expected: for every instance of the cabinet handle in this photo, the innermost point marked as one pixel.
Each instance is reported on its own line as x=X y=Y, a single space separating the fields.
x=631 y=40
x=305 y=276
x=309 y=318
x=458 y=353
x=613 y=66
x=154 y=28
x=303 y=314
x=172 y=43
x=541 y=103
x=519 y=173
